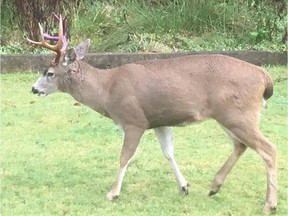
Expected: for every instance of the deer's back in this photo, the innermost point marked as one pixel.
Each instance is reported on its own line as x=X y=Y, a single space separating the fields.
x=187 y=89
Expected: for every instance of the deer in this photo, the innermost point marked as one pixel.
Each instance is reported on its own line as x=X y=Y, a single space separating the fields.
x=160 y=94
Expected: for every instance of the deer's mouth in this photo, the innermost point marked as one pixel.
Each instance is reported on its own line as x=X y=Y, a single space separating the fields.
x=42 y=94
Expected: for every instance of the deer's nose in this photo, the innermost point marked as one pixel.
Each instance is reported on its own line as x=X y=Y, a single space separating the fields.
x=34 y=90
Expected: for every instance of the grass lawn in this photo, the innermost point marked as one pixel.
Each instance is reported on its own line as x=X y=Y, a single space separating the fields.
x=60 y=159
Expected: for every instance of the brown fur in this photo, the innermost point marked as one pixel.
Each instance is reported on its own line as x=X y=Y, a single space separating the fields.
x=171 y=92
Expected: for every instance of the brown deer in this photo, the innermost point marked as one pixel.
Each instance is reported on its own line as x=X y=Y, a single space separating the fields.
x=156 y=94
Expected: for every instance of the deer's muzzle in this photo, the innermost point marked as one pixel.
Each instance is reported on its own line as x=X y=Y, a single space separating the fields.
x=36 y=91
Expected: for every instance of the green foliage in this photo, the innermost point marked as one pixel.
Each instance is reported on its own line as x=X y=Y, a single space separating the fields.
x=165 y=26
x=60 y=159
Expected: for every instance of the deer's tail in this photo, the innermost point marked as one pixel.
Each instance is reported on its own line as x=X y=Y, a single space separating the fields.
x=268 y=86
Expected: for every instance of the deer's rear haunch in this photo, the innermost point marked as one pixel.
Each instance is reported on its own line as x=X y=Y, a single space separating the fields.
x=157 y=94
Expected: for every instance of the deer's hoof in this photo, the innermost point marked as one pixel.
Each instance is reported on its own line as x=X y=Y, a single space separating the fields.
x=211 y=193
x=269 y=209
x=214 y=190
x=110 y=196
x=184 y=190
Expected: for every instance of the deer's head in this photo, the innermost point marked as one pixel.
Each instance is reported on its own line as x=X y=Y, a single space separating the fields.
x=53 y=77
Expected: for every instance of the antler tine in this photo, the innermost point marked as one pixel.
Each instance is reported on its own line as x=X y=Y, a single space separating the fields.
x=35 y=42
x=57 y=47
x=60 y=41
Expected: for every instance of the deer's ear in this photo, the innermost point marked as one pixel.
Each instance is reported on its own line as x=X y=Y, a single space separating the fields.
x=82 y=49
x=77 y=52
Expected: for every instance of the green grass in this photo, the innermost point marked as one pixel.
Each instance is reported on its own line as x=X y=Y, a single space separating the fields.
x=153 y=26
x=60 y=159
x=139 y=26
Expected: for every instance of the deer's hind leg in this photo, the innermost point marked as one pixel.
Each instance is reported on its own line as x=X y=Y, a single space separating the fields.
x=246 y=130
x=239 y=149
x=164 y=136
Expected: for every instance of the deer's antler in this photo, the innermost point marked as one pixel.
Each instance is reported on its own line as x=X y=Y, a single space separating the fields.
x=61 y=44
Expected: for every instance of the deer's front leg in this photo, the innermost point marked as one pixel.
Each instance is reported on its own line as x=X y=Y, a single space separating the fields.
x=132 y=137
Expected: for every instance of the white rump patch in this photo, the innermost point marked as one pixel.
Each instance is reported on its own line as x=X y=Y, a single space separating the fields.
x=264 y=103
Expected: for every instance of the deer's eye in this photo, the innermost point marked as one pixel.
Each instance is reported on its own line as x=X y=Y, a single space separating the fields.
x=50 y=74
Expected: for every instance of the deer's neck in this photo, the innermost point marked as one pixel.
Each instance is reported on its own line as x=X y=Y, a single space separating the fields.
x=88 y=85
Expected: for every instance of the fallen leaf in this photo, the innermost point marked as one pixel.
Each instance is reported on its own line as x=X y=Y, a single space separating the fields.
x=77 y=104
